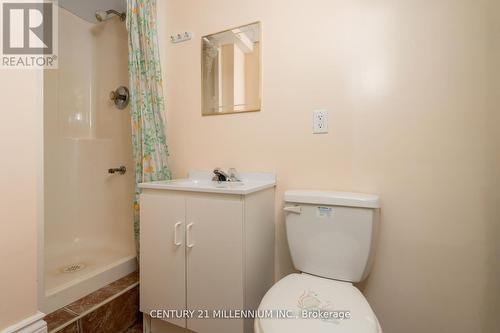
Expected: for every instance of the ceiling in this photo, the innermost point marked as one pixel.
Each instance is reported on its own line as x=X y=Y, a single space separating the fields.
x=86 y=8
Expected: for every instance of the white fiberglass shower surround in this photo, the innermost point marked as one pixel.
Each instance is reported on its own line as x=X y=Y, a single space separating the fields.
x=88 y=212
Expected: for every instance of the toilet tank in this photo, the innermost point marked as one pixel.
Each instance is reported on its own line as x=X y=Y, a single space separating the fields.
x=332 y=234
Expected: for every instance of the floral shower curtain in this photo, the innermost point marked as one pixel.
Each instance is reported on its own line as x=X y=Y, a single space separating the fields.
x=146 y=99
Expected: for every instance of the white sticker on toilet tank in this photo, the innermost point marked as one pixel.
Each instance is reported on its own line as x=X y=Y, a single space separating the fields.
x=325 y=211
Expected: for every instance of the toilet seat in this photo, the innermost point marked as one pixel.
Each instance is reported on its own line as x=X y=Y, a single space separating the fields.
x=305 y=294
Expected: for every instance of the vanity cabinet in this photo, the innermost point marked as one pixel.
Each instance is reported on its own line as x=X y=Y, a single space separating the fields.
x=206 y=252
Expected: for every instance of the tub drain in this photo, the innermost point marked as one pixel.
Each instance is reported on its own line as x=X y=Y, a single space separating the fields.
x=73 y=268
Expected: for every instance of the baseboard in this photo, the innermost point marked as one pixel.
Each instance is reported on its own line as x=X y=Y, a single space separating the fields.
x=33 y=324
x=146 y=323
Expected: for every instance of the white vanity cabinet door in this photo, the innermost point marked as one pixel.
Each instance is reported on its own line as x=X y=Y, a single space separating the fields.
x=163 y=255
x=214 y=253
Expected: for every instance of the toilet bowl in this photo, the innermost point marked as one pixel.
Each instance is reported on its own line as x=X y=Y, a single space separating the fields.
x=331 y=237
x=312 y=294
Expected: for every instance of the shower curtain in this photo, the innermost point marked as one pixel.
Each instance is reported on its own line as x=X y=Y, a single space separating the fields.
x=146 y=99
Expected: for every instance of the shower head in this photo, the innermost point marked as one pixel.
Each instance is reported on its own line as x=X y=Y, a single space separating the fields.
x=103 y=15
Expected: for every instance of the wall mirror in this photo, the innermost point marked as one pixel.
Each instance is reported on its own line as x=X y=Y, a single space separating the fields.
x=231 y=79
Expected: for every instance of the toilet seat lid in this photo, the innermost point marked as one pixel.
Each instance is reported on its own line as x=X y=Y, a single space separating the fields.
x=306 y=297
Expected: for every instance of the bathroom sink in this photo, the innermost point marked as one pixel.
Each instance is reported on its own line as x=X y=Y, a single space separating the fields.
x=227 y=184
x=201 y=182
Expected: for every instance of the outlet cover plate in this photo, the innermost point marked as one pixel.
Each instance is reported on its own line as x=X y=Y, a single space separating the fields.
x=320 y=121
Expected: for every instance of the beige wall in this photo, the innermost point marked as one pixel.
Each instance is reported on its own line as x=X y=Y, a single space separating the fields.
x=491 y=302
x=406 y=85
x=20 y=131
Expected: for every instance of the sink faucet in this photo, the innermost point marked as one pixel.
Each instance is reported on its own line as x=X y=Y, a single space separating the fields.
x=219 y=175
x=233 y=175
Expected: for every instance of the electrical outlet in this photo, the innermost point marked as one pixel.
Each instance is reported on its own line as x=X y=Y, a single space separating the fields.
x=320 y=121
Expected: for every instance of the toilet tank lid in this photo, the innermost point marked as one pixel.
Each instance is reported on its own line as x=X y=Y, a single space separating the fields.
x=332 y=198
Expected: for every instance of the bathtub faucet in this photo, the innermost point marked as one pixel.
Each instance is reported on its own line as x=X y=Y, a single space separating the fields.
x=121 y=170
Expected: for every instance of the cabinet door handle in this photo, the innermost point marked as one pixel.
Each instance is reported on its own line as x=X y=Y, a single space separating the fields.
x=176 y=228
x=188 y=235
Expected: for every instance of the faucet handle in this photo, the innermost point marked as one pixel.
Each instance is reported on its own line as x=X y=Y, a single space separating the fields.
x=220 y=175
x=233 y=175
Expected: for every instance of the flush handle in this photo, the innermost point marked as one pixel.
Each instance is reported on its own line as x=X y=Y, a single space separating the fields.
x=293 y=209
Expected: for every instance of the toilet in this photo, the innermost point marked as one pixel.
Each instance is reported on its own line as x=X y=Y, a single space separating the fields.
x=331 y=236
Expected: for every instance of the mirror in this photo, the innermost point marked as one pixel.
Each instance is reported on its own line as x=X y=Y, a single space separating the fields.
x=231 y=71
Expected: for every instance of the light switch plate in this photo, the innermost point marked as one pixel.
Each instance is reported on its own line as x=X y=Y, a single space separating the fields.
x=320 y=121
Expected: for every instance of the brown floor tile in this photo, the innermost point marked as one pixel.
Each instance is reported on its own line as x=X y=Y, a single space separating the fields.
x=115 y=316
x=93 y=299
x=71 y=328
x=136 y=328
x=58 y=318
x=126 y=281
